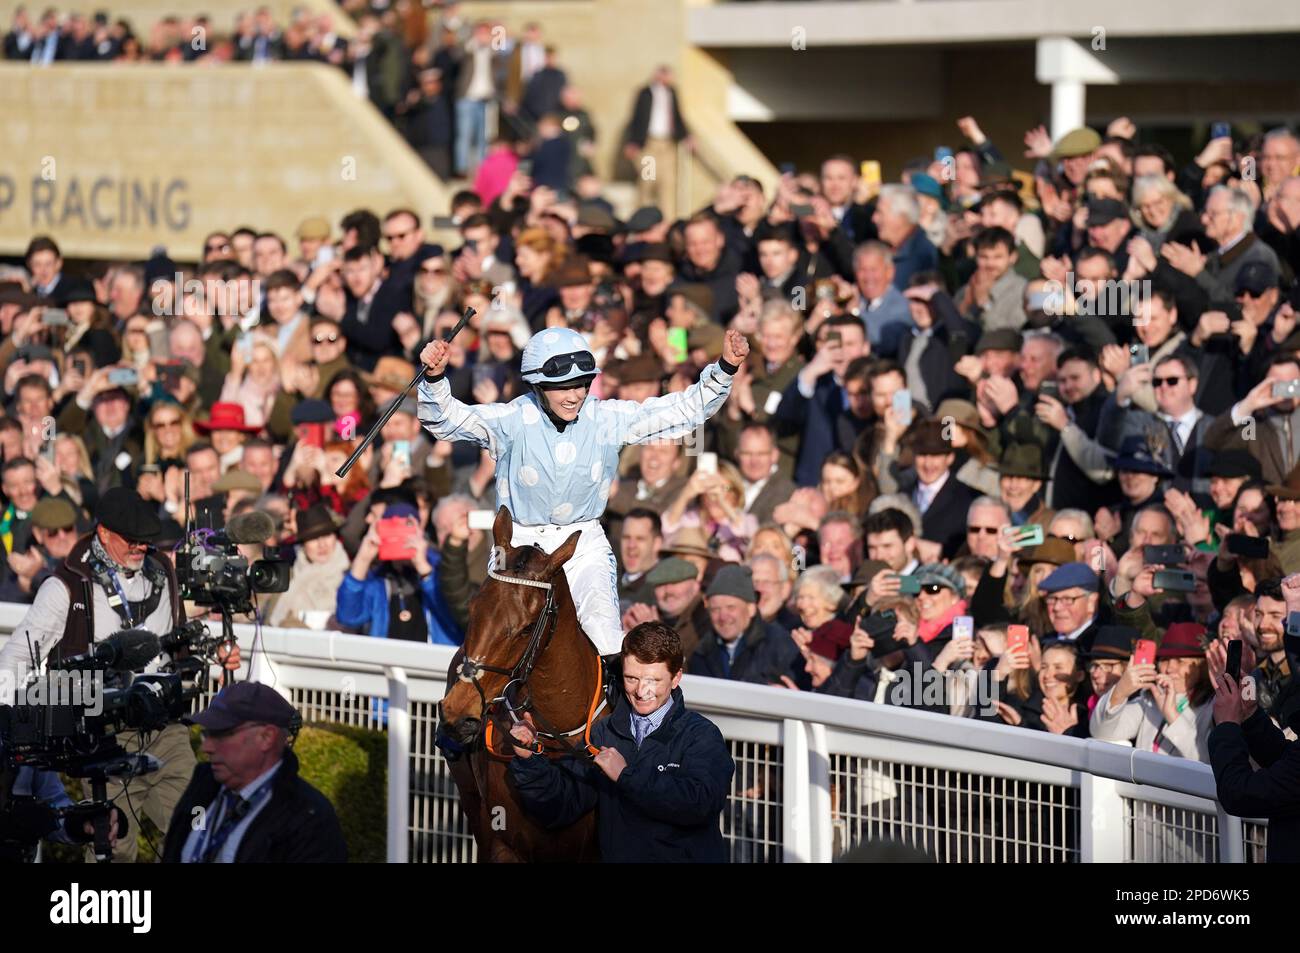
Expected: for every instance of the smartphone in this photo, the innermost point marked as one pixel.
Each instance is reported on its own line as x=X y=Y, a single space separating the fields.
x=902 y=404
x=825 y=290
x=55 y=318
x=123 y=377
x=170 y=372
x=942 y=153
x=1031 y=534
x=1175 y=580
x=909 y=585
x=313 y=435
x=1164 y=555
x=80 y=365
x=1286 y=389
x=1049 y=388
x=482 y=519
x=870 y=171
x=525 y=166
x=446 y=221
x=1233 y=666
x=1221 y=130
x=708 y=463
x=1252 y=547
x=1138 y=354
x=1018 y=638
x=876 y=624
x=1144 y=652
x=800 y=209
x=963 y=627
x=396 y=538
x=402 y=451
x=677 y=350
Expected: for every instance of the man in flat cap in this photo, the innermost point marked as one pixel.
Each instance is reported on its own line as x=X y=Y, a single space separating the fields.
x=53 y=534
x=112 y=579
x=1072 y=596
x=675 y=583
x=739 y=645
x=247 y=803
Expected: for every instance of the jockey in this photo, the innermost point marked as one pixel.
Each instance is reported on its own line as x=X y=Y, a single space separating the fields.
x=556 y=450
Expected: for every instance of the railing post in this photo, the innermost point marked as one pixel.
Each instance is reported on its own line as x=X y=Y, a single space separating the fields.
x=796 y=803
x=1232 y=846
x=819 y=787
x=399 y=765
x=1102 y=830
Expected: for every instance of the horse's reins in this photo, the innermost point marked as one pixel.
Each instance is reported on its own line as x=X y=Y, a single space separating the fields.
x=472 y=672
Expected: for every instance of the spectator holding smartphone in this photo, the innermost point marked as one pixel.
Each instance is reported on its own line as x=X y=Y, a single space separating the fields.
x=391 y=591
x=1166 y=707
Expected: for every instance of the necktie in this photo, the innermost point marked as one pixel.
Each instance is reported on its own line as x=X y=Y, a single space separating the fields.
x=1177 y=433
x=640 y=728
x=233 y=809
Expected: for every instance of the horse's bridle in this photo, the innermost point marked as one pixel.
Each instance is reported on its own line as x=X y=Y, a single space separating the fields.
x=472 y=672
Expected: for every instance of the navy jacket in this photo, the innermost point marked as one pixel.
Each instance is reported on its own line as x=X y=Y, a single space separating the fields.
x=665 y=806
x=850 y=679
x=1272 y=792
x=816 y=418
x=766 y=653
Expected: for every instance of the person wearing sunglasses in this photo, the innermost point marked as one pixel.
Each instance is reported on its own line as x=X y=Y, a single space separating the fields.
x=557 y=452
x=1177 y=419
x=53 y=534
x=113 y=578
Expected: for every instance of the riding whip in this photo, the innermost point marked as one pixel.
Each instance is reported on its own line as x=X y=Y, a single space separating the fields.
x=397 y=401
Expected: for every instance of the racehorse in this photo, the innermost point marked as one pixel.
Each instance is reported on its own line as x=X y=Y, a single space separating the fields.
x=524 y=656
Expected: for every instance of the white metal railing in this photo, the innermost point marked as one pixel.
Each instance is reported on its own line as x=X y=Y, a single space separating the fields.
x=815 y=774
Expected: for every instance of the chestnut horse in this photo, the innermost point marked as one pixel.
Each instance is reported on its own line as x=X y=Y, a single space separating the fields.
x=524 y=655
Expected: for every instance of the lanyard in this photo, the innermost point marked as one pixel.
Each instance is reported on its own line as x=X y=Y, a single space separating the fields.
x=205 y=852
x=120 y=597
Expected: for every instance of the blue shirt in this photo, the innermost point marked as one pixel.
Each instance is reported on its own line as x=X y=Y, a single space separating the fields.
x=259 y=786
x=643 y=725
x=546 y=477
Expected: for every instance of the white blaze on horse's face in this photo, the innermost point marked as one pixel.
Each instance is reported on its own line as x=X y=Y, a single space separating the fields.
x=647 y=687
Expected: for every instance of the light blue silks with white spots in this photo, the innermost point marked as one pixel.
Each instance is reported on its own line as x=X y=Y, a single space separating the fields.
x=548 y=477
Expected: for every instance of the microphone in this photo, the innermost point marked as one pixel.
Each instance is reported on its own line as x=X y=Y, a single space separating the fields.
x=254 y=527
x=123 y=651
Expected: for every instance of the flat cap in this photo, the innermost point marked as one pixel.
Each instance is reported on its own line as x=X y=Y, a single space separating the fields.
x=670 y=570
x=1068 y=577
x=735 y=581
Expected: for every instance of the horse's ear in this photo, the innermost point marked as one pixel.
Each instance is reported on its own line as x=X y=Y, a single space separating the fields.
x=561 y=556
x=503 y=529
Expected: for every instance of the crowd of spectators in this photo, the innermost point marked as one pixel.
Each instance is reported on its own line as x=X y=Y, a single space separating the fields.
x=975 y=391
x=453 y=87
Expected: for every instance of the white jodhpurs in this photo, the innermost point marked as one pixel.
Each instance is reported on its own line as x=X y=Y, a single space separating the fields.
x=592 y=574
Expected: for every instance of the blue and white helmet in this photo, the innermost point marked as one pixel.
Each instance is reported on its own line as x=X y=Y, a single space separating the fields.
x=556 y=356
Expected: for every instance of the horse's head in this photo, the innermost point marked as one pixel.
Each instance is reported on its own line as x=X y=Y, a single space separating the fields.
x=501 y=622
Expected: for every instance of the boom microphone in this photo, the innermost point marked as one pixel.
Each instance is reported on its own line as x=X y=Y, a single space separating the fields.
x=253 y=527
x=123 y=651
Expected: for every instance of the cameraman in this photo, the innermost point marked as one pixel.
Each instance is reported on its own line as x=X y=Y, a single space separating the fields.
x=29 y=814
x=112 y=580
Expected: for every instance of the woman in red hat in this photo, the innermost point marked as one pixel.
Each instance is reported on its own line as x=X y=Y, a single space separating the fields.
x=1167 y=707
x=227 y=429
